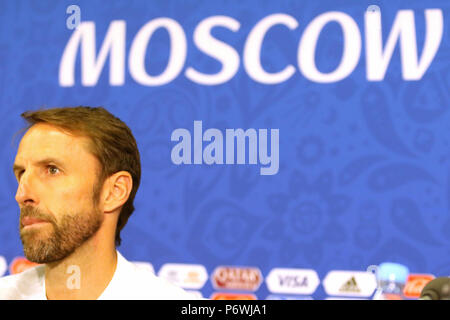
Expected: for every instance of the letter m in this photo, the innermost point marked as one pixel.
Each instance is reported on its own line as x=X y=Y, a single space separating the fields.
x=240 y=136
x=92 y=65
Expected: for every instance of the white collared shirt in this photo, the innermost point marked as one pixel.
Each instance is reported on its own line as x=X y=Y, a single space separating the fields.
x=129 y=282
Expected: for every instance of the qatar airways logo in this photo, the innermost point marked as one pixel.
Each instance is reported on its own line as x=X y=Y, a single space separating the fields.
x=378 y=51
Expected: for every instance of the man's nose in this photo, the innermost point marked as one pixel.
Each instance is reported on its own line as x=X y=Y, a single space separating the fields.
x=26 y=194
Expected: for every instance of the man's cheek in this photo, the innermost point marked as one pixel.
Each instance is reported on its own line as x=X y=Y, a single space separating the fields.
x=76 y=190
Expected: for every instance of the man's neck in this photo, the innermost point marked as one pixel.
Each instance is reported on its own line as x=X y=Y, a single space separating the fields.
x=84 y=274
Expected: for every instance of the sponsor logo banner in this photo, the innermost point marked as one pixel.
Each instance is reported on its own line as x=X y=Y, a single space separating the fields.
x=284 y=297
x=196 y=293
x=236 y=278
x=295 y=281
x=415 y=283
x=232 y=296
x=350 y=283
x=343 y=298
x=189 y=276
x=3 y=266
x=20 y=264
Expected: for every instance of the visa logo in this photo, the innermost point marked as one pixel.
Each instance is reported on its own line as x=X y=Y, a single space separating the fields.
x=293 y=281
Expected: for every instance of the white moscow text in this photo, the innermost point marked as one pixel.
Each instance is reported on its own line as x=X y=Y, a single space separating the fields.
x=378 y=52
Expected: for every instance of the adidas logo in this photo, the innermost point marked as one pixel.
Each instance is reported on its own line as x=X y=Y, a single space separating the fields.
x=350 y=286
x=349 y=283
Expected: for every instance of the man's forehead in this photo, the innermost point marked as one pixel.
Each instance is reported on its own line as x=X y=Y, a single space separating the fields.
x=45 y=140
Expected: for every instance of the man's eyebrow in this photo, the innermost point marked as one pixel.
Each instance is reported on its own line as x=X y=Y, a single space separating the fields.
x=50 y=160
x=58 y=163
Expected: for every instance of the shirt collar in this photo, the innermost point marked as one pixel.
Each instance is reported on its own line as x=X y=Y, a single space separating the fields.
x=123 y=267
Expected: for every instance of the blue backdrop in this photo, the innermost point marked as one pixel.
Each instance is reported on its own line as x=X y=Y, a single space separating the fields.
x=364 y=164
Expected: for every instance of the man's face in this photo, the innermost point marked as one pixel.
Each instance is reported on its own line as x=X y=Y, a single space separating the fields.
x=56 y=176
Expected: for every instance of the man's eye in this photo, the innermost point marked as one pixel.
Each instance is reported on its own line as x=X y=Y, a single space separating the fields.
x=52 y=170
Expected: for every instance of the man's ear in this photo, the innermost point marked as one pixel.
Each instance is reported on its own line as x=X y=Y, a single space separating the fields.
x=117 y=190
